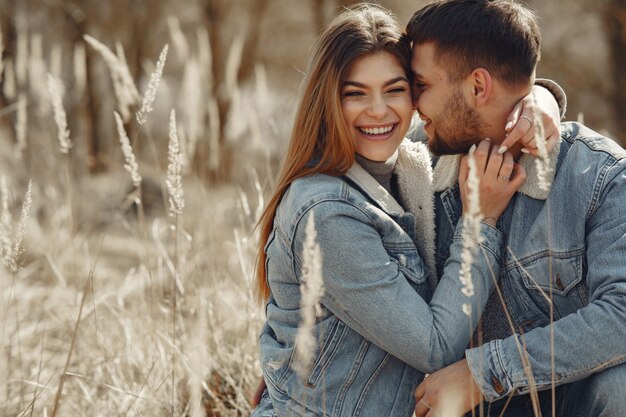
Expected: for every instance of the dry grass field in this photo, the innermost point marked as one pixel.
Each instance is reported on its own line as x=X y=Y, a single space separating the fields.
x=127 y=296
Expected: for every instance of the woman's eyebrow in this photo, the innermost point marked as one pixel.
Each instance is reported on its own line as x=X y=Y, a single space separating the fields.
x=387 y=83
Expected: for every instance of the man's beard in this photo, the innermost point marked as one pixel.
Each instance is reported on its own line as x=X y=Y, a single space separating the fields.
x=456 y=129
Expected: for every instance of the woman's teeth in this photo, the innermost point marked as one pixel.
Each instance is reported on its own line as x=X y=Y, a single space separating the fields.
x=376 y=130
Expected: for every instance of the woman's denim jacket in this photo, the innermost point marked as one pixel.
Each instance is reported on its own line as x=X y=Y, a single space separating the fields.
x=567 y=245
x=376 y=335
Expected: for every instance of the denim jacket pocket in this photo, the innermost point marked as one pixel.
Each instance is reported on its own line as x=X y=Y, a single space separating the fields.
x=564 y=282
x=332 y=341
x=410 y=264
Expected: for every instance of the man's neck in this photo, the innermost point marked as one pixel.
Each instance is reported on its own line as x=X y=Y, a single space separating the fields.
x=497 y=113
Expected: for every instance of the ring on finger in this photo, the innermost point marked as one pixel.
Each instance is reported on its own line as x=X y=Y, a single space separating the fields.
x=527 y=118
x=504 y=177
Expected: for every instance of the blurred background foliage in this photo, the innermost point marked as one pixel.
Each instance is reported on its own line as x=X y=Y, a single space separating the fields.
x=235 y=66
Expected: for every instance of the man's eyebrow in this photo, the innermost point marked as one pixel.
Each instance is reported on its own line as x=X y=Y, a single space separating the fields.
x=387 y=83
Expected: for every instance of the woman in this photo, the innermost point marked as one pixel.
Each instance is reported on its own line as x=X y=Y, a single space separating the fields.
x=369 y=193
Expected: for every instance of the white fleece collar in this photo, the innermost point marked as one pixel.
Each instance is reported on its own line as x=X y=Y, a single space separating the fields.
x=415 y=176
x=446 y=173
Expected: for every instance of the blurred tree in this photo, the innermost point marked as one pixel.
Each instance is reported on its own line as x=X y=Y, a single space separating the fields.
x=615 y=16
x=232 y=62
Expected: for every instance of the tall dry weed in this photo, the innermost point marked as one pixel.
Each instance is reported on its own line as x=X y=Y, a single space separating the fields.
x=471 y=229
x=123 y=85
x=311 y=292
x=55 y=88
x=174 y=169
x=127 y=150
x=150 y=94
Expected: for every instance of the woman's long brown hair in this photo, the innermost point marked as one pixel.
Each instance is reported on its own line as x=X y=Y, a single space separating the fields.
x=320 y=139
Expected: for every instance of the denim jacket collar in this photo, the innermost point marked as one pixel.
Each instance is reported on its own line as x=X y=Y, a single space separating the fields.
x=446 y=173
x=415 y=181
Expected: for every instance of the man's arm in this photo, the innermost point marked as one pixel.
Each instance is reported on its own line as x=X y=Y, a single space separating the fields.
x=583 y=343
x=586 y=342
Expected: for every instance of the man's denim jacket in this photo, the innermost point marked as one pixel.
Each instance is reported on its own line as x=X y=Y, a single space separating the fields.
x=376 y=335
x=567 y=245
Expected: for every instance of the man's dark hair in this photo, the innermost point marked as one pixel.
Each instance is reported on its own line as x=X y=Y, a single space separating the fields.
x=501 y=36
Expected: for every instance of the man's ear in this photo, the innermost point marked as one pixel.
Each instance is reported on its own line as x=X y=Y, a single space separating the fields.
x=482 y=85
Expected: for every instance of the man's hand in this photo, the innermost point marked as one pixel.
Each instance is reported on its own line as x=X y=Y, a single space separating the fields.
x=449 y=392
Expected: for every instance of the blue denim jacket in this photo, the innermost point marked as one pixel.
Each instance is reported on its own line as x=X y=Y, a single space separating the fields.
x=568 y=244
x=377 y=334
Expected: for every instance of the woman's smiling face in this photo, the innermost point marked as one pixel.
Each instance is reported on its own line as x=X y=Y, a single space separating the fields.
x=376 y=104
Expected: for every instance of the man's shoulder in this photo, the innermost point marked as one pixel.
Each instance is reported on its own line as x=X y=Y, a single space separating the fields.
x=582 y=139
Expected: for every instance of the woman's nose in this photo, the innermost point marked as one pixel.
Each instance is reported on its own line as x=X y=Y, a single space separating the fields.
x=377 y=107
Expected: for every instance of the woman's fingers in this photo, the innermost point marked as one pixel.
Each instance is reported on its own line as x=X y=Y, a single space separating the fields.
x=522 y=124
x=518 y=176
x=506 y=169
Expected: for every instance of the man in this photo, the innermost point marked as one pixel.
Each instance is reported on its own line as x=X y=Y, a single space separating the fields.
x=555 y=328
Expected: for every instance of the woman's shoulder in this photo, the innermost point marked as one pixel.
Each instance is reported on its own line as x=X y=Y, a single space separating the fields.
x=319 y=192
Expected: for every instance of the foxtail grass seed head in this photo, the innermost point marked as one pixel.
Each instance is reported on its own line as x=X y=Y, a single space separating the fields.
x=542 y=162
x=131 y=163
x=5 y=224
x=123 y=85
x=174 y=169
x=311 y=292
x=471 y=230
x=21 y=227
x=55 y=88
x=153 y=85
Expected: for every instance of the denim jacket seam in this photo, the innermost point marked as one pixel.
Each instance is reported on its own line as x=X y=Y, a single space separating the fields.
x=486 y=243
x=600 y=185
x=356 y=366
x=309 y=207
x=361 y=401
x=517 y=262
x=500 y=357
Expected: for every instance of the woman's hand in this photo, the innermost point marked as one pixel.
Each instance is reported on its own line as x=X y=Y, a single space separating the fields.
x=521 y=125
x=499 y=178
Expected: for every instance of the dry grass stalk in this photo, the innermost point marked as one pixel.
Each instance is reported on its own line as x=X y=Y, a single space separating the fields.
x=311 y=290
x=21 y=51
x=19 y=232
x=195 y=110
x=471 y=230
x=8 y=86
x=21 y=122
x=123 y=85
x=56 y=60
x=153 y=85
x=60 y=118
x=5 y=224
x=37 y=74
x=80 y=68
x=131 y=163
x=178 y=37
x=174 y=169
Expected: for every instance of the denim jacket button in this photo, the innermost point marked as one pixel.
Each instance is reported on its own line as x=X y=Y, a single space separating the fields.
x=497 y=385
